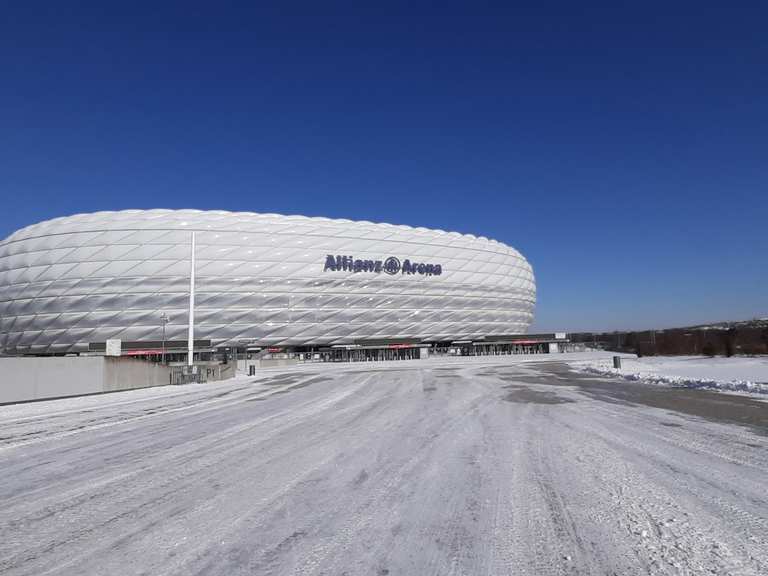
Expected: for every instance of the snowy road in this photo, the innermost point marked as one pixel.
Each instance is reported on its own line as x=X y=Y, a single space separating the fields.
x=403 y=468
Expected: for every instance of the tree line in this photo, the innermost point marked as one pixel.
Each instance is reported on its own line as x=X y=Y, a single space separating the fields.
x=725 y=341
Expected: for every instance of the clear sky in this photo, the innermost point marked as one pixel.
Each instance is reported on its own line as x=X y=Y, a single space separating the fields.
x=621 y=147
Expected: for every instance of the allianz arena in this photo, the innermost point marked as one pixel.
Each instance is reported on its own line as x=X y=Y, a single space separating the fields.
x=69 y=284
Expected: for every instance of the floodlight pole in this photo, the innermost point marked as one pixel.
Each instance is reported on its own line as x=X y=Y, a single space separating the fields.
x=191 y=333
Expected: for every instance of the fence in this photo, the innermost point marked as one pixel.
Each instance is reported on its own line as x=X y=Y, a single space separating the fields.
x=182 y=375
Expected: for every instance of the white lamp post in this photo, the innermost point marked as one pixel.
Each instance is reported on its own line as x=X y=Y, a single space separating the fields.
x=191 y=328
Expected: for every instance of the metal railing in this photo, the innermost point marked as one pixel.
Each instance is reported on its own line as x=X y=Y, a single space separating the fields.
x=182 y=375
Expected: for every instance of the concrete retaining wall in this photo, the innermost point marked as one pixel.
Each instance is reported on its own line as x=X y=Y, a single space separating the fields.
x=211 y=371
x=128 y=373
x=23 y=379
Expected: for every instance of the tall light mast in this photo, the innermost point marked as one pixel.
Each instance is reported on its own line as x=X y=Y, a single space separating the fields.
x=191 y=333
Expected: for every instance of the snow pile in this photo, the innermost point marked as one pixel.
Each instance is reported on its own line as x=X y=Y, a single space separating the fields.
x=742 y=374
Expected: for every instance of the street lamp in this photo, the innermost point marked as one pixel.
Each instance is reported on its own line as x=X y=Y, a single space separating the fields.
x=164 y=319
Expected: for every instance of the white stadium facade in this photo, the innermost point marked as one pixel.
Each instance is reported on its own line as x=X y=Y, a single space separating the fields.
x=69 y=284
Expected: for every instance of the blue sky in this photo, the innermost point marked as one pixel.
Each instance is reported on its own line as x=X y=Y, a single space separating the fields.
x=622 y=147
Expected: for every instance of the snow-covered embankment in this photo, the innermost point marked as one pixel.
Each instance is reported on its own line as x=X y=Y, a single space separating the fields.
x=740 y=374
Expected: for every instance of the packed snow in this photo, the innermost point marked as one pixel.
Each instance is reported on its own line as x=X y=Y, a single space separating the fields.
x=736 y=374
x=453 y=466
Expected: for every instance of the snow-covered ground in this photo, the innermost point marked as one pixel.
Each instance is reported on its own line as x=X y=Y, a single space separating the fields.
x=455 y=466
x=738 y=374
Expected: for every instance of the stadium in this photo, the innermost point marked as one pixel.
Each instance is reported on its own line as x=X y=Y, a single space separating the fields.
x=70 y=284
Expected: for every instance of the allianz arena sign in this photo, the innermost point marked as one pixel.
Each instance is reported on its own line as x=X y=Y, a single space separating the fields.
x=391 y=266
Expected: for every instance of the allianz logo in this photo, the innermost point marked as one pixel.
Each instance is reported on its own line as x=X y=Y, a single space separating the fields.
x=391 y=266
